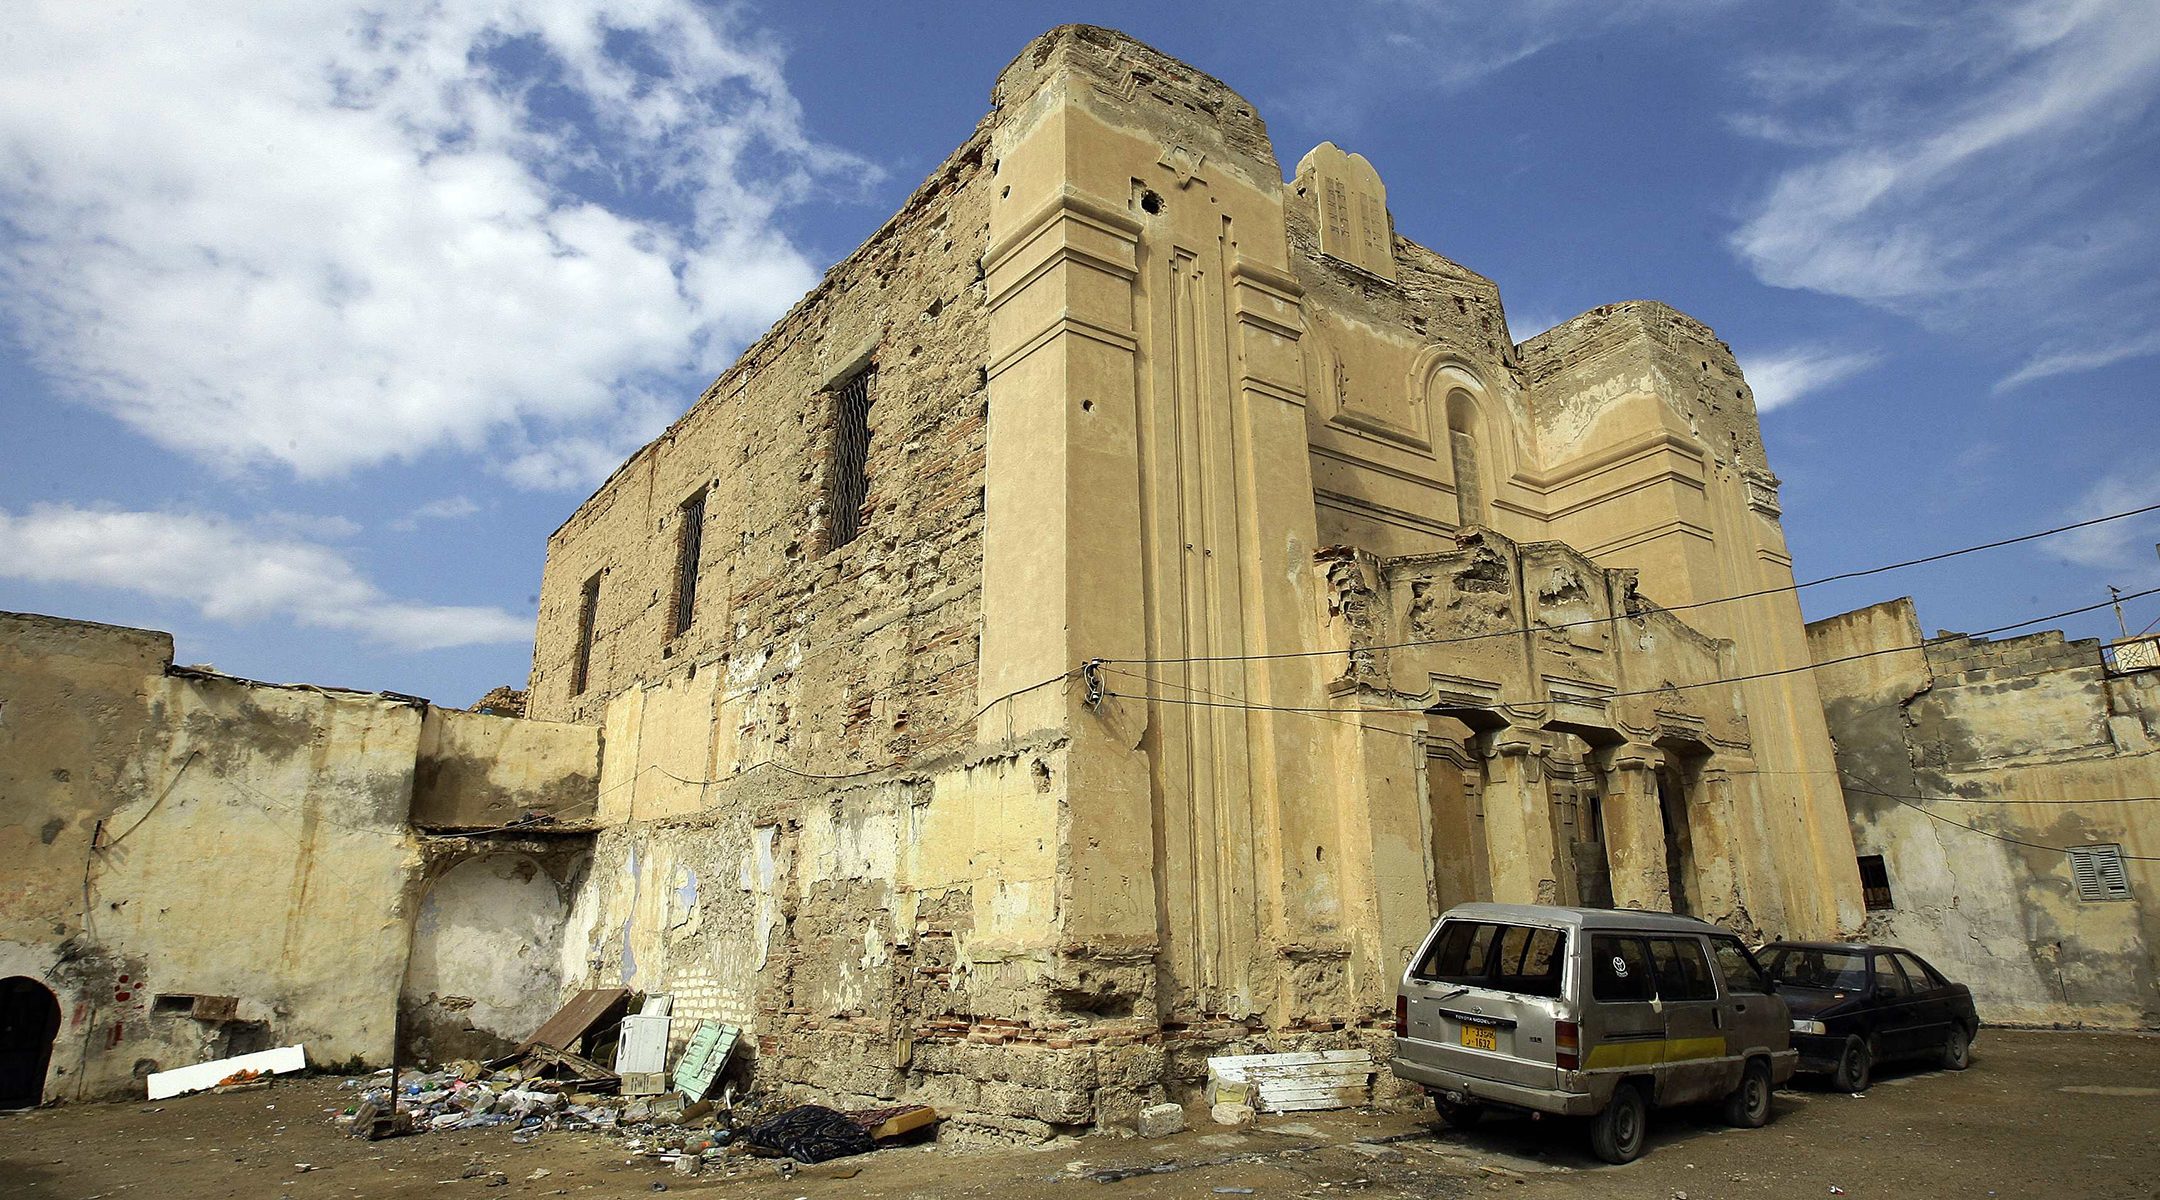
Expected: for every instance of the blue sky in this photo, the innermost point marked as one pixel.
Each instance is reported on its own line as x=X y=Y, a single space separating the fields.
x=316 y=320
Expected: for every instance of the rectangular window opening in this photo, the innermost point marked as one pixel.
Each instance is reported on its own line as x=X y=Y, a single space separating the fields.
x=588 y=612
x=689 y=544
x=2100 y=872
x=849 y=482
x=1875 y=883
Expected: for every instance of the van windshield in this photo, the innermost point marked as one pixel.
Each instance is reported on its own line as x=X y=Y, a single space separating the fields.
x=1508 y=958
x=1824 y=970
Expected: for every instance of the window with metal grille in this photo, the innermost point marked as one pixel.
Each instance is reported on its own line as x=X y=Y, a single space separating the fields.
x=1875 y=882
x=2099 y=872
x=689 y=542
x=588 y=611
x=850 y=480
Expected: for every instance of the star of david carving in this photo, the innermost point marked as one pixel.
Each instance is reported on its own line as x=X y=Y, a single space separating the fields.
x=1184 y=162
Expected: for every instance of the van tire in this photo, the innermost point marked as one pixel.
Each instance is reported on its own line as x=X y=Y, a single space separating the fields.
x=1459 y=1116
x=1617 y=1134
x=1748 y=1107
x=1856 y=1065
x=1957 y=1049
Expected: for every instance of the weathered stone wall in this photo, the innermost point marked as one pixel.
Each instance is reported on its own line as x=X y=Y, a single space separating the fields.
x=180 y=833
x=2031 y=743
x=1134 y=395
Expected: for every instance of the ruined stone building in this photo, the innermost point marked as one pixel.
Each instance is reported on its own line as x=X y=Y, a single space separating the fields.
x=2005 y=800
x=197 y=866
x=1103 y=622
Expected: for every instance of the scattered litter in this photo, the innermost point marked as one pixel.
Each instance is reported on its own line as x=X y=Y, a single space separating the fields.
x=204 y=1076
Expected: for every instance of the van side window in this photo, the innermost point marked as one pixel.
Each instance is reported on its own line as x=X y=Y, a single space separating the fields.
x=1620 y=970
x=1738 y=966
x=1459 y=954
x=1683 y=972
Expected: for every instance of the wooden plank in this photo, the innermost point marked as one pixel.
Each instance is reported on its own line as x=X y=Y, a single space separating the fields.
x=1300 y=1081
x=203 y=1076
x=580 y=1016
x=1234 y=1062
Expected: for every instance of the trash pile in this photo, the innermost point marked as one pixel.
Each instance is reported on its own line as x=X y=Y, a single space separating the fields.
x=546 y=1085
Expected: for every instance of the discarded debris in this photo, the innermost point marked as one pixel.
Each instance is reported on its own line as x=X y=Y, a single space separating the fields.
x=809 y=1134
x=204 y=1076
x=1302 y=1082
x=705 y=1058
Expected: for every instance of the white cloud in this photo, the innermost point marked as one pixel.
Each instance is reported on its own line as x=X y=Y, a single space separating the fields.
x=330 y=235
x=1784 y=376
x=1969 y=168
x=2122 y=550
x=2087 y=357
x=1454 y=44
x=449 y=508
x=233 y=573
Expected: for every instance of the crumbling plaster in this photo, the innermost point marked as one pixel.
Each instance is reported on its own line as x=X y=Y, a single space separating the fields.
x=182 y=833
x=2028 y=740
x=1138 y=400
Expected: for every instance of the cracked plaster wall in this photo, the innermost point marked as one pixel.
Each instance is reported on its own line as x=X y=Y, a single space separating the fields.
x=1979 y=723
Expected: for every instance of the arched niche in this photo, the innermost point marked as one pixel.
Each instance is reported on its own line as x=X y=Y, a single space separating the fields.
x=1473 y=444
x=486 y=963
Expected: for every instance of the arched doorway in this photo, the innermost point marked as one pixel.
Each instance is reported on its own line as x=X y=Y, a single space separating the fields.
x=29 y=1021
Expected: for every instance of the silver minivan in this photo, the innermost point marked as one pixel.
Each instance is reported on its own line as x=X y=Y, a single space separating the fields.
x=1589 y=1012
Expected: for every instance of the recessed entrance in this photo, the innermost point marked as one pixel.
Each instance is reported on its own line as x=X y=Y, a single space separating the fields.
x=29 y=1021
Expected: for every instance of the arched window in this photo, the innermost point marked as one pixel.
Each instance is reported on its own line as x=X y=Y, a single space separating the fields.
x=1462 y=426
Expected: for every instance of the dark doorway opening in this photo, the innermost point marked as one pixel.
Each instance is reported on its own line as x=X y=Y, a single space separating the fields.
x=29 y=1021
x=1679 y=838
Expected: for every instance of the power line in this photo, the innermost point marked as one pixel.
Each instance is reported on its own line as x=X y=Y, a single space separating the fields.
x=2000 y=837
x=1231 y=702
x=1693 y=604
x=783 y=768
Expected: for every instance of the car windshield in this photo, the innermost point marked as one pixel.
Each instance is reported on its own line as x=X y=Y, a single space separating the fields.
x=1509 y=958
x=1828 y=970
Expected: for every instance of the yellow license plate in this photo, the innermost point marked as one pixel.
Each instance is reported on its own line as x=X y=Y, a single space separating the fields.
x=1478 y=1037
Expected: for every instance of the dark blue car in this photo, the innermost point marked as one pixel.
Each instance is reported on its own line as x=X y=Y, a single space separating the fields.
x=1855 y=1006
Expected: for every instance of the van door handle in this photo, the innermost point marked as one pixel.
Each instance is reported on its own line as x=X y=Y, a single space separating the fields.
x=1739 y=1008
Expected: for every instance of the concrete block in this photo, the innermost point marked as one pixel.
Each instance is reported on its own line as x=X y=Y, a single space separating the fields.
x=1160 y=1120
x=1235 y=1115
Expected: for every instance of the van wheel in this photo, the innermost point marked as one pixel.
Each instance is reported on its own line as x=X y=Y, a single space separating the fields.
x=1616 y=1135
x=1459 y=1116
x=1957 y=1051
x=1854 y=1067
x=1748 y=1107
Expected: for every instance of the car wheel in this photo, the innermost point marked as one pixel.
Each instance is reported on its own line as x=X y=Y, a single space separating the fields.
x=1854 y=1067
x=1748 y=1107
x=1459 y=1115
x=1957 y=1051
x=1617 y=1134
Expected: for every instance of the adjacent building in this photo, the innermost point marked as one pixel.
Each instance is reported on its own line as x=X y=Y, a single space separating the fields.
x=2005 y=801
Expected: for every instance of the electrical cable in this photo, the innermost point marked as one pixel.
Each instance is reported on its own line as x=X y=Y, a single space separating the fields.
x=1656 y=691
x=1693 y=604
x=2000 y=837
x=783 y=768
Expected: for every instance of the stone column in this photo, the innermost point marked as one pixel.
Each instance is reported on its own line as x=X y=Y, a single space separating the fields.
x=1635 y=827
x=1518 y=818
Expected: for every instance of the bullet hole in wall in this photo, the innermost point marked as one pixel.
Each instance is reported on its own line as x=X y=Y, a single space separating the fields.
x=1150 y=203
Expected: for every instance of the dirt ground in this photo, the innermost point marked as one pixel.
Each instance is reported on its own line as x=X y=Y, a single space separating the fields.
x=2056 y=1115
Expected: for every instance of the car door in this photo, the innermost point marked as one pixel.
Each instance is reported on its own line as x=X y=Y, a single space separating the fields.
x=1622 y=1028
x=1755 y=1019
x=1696 y=1066
x=1898 y=1020
x=1931 y=1004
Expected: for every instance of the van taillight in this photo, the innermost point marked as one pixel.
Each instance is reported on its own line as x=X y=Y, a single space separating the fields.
x=1567 y=1045
x=1402 y=1015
